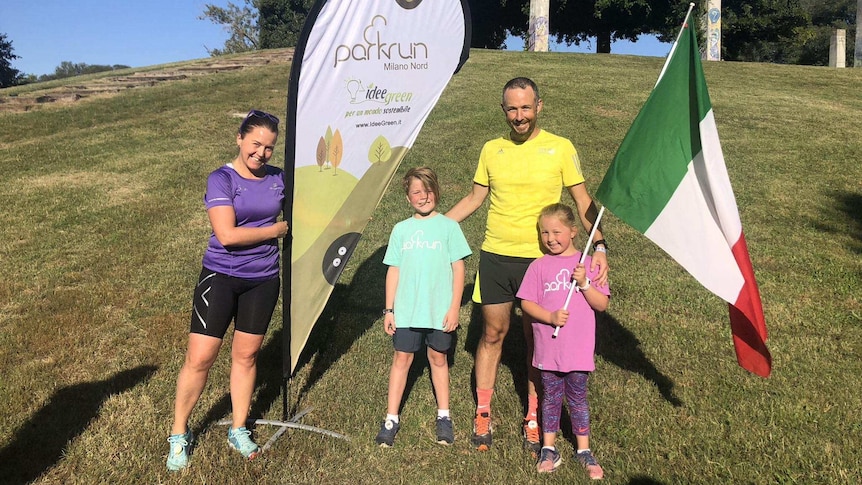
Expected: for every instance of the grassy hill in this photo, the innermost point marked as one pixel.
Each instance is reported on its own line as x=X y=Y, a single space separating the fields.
x=103 y=229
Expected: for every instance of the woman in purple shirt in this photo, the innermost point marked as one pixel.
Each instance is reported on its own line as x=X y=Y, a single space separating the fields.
x=239 y=282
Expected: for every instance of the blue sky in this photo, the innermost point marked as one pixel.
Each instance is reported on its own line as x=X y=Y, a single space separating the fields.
x=136 y=33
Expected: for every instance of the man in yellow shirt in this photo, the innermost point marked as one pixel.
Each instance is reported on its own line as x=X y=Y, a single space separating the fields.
x=523 y=172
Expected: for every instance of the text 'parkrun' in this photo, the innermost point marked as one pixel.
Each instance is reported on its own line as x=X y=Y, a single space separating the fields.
x=397 y=56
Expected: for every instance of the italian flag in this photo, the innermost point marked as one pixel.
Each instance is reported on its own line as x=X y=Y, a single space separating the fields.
x=668 y=181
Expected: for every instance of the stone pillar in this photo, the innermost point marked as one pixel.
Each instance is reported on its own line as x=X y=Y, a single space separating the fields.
x=539 y=26
x=857 y=54
x=713 y=30
x=838 y=48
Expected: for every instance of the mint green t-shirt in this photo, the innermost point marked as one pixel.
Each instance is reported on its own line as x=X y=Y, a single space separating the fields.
x=424 y=250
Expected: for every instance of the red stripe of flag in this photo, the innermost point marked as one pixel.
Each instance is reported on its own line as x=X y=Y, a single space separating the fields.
x=746 y=318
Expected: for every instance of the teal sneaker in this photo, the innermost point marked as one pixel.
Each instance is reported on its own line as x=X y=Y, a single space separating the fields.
x=240 y=440
x=178 y=456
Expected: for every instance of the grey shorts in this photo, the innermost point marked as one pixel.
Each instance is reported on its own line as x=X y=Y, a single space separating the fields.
x=411 y=340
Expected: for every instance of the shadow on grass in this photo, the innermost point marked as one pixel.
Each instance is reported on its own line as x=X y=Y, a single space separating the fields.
x=644 y=481
x=40 y=442
x=851 y=205
x=619 y=346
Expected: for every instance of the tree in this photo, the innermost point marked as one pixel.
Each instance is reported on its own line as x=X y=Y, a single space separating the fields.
x=281 y=21
x=826 y=16
x=761 y=30
x=575 y=21
x=857 y=52
x=492 y=21
x=9 y=76
x=240 y=22
x=259 y=24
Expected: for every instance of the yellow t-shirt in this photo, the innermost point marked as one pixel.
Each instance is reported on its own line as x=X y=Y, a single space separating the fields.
x=523 y=178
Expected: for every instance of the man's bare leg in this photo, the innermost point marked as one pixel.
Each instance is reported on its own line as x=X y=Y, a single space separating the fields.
x=495 y=326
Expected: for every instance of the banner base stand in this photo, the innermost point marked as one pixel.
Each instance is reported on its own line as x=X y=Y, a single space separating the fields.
x=284 y=425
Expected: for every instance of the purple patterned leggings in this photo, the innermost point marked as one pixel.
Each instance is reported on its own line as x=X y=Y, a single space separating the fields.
x=574 y=386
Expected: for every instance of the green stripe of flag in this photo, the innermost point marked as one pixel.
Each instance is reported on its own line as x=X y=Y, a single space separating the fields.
x=654 y=156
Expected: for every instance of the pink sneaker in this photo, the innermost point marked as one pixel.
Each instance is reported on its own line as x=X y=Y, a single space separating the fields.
x=589 y=462
x=549 y=460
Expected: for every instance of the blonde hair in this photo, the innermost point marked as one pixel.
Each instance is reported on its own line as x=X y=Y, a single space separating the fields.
x=561 y=211
x=424 y=175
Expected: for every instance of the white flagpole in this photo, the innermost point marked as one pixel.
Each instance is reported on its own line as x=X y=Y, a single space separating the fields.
x=673 y=48
x=583 y=258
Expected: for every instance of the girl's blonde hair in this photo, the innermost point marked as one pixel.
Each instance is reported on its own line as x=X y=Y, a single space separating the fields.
x=424 y=175
x=561 y=211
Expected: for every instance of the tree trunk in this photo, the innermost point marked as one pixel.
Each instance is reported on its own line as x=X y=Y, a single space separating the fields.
x=857 y=54
x=603 y=42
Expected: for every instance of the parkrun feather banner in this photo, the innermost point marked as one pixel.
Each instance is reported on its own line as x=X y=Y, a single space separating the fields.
x=365 y=76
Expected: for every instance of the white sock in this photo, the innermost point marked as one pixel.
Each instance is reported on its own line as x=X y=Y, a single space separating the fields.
x=552 y=448
x=583 y=450
x=442 y=413
x=392 y=417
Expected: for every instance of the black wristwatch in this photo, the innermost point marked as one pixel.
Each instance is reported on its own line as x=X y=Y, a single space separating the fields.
x=600 y=242
x=388 y=310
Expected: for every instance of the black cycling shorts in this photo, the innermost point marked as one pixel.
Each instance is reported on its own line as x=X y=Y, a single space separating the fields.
x=220 y=298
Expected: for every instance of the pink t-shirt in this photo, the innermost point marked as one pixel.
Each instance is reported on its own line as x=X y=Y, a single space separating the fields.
x=547 y=283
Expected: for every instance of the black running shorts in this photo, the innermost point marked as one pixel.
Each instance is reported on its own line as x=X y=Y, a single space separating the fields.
x=220 y=298
x=500 y=277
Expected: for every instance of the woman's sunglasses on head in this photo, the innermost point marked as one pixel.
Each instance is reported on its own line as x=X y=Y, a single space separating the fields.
x=256 y=113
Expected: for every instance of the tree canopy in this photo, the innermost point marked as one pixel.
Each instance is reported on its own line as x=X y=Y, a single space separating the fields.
x=239 y=21
x=575 y=21
x=281 y=22
x=813 y=44
x=258 y=24
x=9 y=76
x=761 y=30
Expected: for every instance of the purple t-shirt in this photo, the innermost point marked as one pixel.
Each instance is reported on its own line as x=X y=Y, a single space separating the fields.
x=547 y=283
x=257 y=203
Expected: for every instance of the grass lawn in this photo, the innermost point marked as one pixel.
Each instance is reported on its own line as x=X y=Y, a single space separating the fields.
x=103 y=229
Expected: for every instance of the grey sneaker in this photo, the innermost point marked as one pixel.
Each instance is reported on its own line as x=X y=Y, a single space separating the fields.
x=240 y=440
x=445 y=432
x=181 y=445
x=386 y=436
x=549 y=460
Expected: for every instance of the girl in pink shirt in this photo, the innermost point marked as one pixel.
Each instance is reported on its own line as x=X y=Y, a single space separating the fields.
x=566 y=360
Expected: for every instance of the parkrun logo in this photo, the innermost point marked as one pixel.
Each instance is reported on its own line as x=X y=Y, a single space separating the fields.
x=375 y=48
